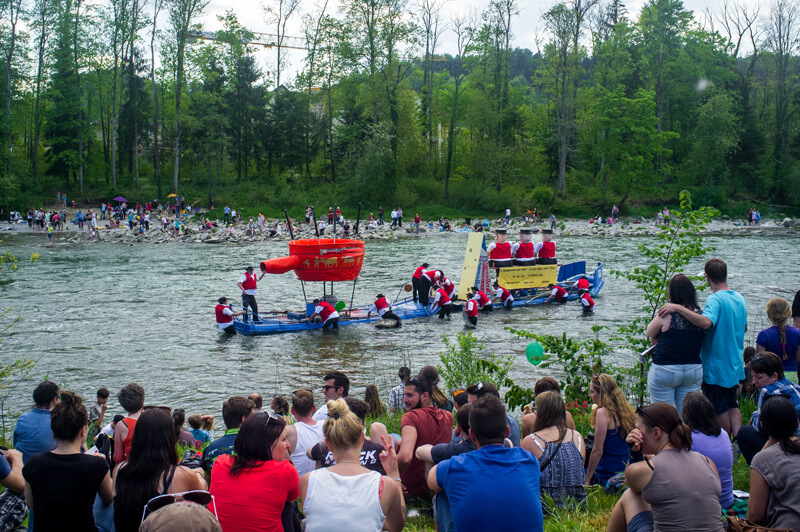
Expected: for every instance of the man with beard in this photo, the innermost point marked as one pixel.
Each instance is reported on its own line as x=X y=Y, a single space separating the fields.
x=422 y=424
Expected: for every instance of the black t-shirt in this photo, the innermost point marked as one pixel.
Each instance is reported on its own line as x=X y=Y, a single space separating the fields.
x=443 y=451
x=370 y=455
x=64 y=488
x=796 y=305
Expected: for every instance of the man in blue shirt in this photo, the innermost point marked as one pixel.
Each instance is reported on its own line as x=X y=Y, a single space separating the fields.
x=768 y=377
x=725 y=318
x=234 y=411
x=493 y=487
x=32 y=434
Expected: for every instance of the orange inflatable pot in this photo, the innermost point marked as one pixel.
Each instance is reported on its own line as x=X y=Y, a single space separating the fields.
x=320 y=260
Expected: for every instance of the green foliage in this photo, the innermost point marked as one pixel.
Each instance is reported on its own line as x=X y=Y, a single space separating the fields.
x=579 y=359
x=463 y=363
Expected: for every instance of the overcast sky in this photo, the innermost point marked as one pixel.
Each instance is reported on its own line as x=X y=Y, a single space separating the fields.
x=526 y=26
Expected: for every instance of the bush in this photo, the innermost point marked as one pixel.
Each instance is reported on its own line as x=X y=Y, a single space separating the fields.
x=463 y=363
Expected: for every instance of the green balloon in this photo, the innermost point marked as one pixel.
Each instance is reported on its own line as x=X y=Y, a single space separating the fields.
x=534 y=353
x=340 y=306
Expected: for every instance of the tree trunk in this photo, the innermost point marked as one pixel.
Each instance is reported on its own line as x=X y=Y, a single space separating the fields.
x=156 y=155
x=178 y=88
x=80 y=103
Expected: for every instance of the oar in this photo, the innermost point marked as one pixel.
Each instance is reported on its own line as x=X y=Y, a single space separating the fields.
x=358 y=220
x=536 y=294
x=398 y=294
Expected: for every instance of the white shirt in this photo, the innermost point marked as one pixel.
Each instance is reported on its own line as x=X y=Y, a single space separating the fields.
x=322 y=413
x=508 y=212
x=319 y=310
x=307 y=436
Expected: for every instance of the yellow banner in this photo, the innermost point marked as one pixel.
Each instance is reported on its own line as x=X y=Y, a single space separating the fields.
x=528 y=276
x=469 y=271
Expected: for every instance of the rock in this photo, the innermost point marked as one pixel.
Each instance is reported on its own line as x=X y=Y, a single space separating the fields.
x=726 y=217
x=788 y=222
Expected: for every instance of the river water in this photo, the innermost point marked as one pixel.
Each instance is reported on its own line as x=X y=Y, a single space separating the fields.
x=102 y=314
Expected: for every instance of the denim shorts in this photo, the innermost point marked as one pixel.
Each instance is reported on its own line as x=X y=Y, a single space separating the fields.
x=641 y=522
x=722 y=398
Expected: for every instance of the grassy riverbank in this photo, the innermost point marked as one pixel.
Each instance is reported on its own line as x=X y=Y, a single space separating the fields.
x=594 y=516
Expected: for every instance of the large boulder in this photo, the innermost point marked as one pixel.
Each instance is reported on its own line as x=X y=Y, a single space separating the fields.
x=788 y=222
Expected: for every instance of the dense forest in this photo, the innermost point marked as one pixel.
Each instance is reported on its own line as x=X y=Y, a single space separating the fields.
x=125 y=97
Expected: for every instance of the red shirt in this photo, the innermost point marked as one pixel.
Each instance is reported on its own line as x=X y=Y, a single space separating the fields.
x=417 y=219
x=250 y=282
x=433 y=275
x=501 y=251
x=483 y=299
x=582 y=284
x=433 y=426
x=548 y=250
x=472 y=308
x=444 y=299
x=221 y=316
x=325 y=310
x=587 y=301
x=525 y=250
x=418 y=272
x=253 y=500
x=558 y=292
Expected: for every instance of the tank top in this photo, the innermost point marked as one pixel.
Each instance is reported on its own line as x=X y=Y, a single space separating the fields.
x=615 y=456
x=126 y=443
x=564 y=475
x=684 y=493
x=307 y=437
x=337 y=502
x=680 y=344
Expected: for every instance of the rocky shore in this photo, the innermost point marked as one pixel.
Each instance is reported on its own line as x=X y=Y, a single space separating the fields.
x=192 y=233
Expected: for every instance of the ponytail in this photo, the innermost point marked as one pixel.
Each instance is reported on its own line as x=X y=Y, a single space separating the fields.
x=681 y=437
x=665 y=417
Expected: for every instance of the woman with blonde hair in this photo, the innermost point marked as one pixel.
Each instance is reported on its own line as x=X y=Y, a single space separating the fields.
x=560 y=450
x=347 y=496
x=612 y=419
x=781 y=339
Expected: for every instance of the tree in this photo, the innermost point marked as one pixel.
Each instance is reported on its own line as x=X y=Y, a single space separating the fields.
x=13 y=8
x=714 y=139
x=157 y=6
x=181 y=15
x=783 y=39
x=44 y=18
x=464 y=35
x=431 y=18
x=63 y=126
x=280 y=17
x=632 y=142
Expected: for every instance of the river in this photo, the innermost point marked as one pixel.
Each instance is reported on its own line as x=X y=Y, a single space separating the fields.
x=102 y=314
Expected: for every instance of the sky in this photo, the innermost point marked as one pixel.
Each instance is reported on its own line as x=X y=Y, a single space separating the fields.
x=526 y=27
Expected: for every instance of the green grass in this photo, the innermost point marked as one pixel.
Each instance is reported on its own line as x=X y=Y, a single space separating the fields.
x=594 y=516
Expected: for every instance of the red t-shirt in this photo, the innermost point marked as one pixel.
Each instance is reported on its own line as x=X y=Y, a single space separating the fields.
x=253 y=500
x=433 y=426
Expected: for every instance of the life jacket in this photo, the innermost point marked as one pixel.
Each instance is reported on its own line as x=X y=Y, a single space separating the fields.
x=501 y=251
x=221 y=316
x=381 y=304
x=588 y=302
x=418 y=272
x=505 y=294
x=449 y=287
x=559 y=292
x=482 y=298
x=326 y=311
x=524 y=251
x=250 y=281
x=583 y=284
x=444 y=299
x=472 y=308
x=548 y=250
x=433 y=275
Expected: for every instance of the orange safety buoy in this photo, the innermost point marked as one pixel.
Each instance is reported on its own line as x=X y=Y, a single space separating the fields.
x=320 y=260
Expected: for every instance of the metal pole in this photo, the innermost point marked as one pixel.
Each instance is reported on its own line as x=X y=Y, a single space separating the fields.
x=314 y=219
x=358 y=220
x=288 y=223
x=353 y=295
x=335 y=208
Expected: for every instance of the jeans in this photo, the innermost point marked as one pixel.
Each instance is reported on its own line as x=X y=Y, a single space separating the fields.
x=750 y=441
x=442 y=513
x=250 y=301
x=670 y=384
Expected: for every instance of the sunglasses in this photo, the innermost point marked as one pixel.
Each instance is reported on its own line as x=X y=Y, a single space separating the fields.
x=641 y=412
x=416 y=382
x=276 y=417
x=328 y=387
x=200 y=497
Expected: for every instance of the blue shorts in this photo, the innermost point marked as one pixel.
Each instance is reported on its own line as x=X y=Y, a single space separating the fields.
x=641 y=522
x=722 y=398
